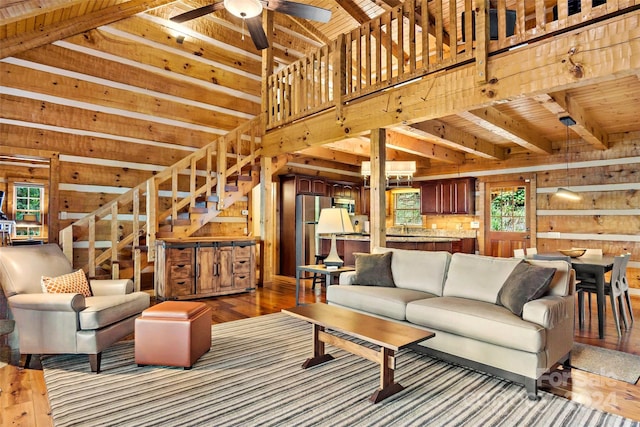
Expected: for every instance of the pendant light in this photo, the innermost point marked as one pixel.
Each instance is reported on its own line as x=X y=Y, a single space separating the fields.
x=566 y=193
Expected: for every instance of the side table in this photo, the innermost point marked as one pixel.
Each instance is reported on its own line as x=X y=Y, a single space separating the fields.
x=318 y=269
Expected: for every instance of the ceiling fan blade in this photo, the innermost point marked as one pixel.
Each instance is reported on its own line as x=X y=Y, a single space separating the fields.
x=300 y=10
x=197 y=13
x=257 y=33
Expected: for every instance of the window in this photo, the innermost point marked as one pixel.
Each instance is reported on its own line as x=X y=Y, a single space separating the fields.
x=508 y=209
x=407 y=208
x=28 y=206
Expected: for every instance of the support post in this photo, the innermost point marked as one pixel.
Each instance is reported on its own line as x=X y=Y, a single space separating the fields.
x=378 y=229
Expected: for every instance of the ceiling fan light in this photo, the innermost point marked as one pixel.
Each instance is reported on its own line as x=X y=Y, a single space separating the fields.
x=243 y=8
x=568 y=194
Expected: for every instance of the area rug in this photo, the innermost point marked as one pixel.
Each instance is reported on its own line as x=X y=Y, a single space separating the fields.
x=253 y=377
x=609 y=363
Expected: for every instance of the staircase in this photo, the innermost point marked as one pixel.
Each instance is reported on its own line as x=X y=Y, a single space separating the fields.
x=118 y=239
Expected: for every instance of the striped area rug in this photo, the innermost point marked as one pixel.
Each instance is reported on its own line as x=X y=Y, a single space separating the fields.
x=252 y=377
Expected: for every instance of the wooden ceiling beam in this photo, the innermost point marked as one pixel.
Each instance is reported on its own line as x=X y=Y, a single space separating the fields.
x=562 y=104
x=11 y=46
x=514 y=130
x=445 y=134
x=59 y=57
x=334 y=155
x=152 y=28
x=354 y=11
x=360 y=147
x=305 y=28
x=420 y=147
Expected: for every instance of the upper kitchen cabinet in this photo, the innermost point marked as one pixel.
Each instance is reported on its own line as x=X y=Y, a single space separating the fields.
x=343 y=190
x=450 y=196
x=312 y=185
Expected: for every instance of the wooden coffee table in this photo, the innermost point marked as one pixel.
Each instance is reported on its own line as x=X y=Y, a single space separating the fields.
x=390 y=336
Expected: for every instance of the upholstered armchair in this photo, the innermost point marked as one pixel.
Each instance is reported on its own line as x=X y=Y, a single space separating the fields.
x=54 y=323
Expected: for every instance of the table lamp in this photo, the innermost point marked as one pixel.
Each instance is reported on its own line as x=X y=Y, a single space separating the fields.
x=333 y=221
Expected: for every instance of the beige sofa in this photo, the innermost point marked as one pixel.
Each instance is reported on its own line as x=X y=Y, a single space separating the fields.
x=53 y=323
x=456 y=297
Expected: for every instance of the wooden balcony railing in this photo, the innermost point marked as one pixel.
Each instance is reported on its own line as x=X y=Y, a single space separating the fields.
x=111 y=236
x=417 y=38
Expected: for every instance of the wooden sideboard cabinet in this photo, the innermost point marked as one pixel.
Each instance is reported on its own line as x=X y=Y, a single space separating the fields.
x=199 y=268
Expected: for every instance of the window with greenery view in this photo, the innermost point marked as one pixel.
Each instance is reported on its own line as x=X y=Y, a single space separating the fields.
x=407 y=208
x=28 y=205
x=508 y=209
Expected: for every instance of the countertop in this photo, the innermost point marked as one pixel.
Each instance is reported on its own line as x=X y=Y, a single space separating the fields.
x=397 y=238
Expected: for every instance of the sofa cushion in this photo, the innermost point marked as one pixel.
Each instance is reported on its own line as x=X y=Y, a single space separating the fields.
x=71 y=283
x=525 y=283
x=106 y=310
x=388 y=302
x=477 y=320
x=477 y=277
x=373 y=269
x=562 y=279
x=418 y=270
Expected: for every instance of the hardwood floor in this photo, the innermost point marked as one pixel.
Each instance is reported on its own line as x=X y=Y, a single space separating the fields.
x=23 y=400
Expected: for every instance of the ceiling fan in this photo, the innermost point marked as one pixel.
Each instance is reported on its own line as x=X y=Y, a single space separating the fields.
x=250 y=10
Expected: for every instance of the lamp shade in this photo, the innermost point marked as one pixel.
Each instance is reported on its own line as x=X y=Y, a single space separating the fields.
x=243 y=8
x=334 y=220
x=568 y=194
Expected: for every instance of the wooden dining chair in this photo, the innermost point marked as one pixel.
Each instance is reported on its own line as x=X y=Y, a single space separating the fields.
x=625 y=285
x=612 y=288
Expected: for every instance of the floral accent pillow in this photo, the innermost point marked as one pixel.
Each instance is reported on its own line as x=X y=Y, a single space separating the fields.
x=72 y=283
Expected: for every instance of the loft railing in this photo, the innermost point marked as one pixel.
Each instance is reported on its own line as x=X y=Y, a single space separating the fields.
x=417 y=38
x=112 y=234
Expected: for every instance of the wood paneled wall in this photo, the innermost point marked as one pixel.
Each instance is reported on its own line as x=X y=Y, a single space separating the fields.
x=607 y=217
x=121 y=102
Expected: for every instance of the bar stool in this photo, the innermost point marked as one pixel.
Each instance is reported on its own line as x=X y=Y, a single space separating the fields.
x=317 y=277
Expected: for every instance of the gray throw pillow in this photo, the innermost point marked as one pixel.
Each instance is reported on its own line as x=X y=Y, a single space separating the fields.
x=525 y=283
x=374 y=269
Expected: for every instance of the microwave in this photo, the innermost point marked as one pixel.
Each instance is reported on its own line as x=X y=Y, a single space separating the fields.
x=348 y=204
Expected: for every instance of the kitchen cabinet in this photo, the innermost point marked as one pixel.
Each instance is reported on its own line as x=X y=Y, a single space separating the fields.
x=364 y=207
x=343 y=190
x=450 y=196
x=310 y=185
x=465 y=245
x=198 y=268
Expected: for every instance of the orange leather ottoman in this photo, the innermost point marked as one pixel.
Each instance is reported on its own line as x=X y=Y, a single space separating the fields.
x=173 y=333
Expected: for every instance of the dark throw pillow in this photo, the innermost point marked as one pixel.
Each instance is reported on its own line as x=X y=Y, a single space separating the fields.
x=374 y=269
x=525 y=283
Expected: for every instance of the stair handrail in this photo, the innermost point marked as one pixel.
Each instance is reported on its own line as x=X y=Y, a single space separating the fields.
x=150 y=189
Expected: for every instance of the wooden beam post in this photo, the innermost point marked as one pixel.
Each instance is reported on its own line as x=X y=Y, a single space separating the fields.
x=267 y=223
x=482 y=40
x=54 y=198
x=339 y=75
x=378 y=184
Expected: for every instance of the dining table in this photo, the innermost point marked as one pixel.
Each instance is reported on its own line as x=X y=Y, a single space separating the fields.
x=596 y=267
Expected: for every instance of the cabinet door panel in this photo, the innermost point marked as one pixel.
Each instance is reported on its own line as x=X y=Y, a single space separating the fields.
x=304 y=185
x=319 y=187
x=207 y=281
x=430 y=198
x=225 y=271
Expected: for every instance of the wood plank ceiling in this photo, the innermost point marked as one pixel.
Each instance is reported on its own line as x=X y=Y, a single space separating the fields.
x=120 y=70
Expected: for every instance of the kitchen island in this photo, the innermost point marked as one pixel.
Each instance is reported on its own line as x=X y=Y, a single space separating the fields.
x=350 y=243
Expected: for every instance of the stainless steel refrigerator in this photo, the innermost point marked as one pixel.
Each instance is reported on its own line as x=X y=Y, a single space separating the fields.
x=307 y=214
